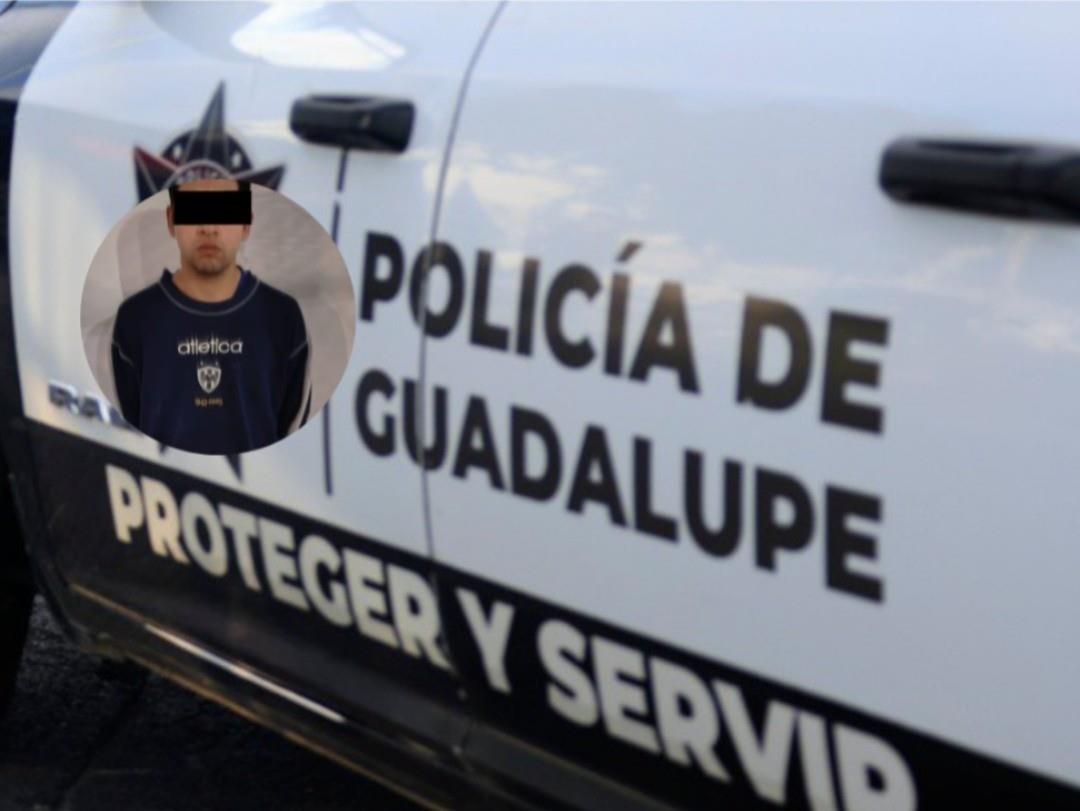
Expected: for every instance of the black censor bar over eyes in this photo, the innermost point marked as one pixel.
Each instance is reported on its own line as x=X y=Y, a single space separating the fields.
x=231 y=206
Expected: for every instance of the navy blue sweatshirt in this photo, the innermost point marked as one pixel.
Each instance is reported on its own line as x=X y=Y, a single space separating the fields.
x=211 y=377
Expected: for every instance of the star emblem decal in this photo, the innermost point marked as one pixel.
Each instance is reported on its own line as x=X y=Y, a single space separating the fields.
x=206 y=151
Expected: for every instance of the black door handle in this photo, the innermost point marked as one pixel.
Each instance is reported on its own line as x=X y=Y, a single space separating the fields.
x=354 y=122
x=1015 y=179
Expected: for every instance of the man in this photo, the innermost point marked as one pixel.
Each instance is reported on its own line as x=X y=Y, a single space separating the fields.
x=210 y=358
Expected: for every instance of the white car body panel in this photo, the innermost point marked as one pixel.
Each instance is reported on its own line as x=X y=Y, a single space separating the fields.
x=739 y=143
x=706 y=156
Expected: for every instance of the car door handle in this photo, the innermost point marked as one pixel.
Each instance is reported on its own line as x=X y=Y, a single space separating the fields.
x=1011 y=178
x=354 y=122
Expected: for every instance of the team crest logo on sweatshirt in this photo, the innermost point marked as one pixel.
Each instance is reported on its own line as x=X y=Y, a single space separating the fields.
x=209 y=375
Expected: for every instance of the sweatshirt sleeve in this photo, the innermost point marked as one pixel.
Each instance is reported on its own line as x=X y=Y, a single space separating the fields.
x=296 y=375
x=126 y=373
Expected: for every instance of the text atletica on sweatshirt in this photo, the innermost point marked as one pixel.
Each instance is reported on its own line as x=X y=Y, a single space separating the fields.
x=211 y=377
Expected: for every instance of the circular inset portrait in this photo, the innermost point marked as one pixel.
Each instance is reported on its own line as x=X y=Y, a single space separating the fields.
x=217 y=316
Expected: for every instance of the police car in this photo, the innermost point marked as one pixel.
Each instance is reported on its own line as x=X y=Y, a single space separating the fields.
x=707 y=438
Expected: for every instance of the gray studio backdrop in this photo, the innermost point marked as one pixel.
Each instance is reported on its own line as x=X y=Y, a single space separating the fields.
x=287 y=248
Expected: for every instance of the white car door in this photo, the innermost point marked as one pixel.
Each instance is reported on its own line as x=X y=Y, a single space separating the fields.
x=748 y=482
x=306 y=560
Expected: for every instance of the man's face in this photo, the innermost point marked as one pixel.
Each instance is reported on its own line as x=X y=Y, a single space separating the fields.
x=212 y=247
